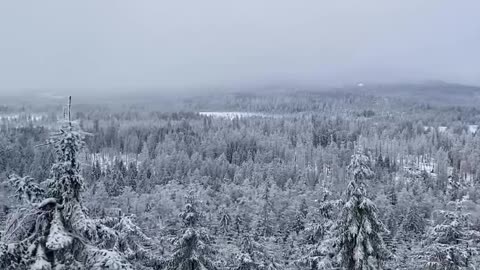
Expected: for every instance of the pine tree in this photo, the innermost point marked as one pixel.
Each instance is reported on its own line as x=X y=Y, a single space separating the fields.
x=407 y=240
x=115 y=182
x=361 y=244
x=413 y=225
x=454 y=185
x=225 y=221
x=254 y=256
x=55 y=232
x=132 y=175
x=99 y=200
x=451 y=242
x=238 y=223
x=264 y=223
x=26 y=189
x=245 y=258
x=192 y=249
x=96 y=170
x=299 y=222
x=321 y=238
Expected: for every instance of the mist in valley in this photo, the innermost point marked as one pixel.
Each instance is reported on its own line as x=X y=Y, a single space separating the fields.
x=252 y=135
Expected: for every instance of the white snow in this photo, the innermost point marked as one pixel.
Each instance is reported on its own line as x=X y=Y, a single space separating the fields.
x=58 y=238
x=46 y=202
x=472 y=129
x=442 y=129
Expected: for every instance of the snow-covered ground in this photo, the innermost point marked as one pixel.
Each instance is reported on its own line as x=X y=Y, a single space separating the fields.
x=472 y=129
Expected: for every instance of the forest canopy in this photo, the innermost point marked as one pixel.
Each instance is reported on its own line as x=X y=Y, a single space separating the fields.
x=300 y=180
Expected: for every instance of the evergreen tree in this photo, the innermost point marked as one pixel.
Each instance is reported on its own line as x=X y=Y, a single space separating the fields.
x=115 y=182
x=451 y=242
x=192 y=249
x=225 y=221
x=300 y=217
x=264 y=222
x=413 y=225
x=238 y=223
x=99 y=200
x=26 y=189
x=96 y=170
x=247 y=254
x=454 y=186
x=321 y=239
x=361 y=244
x=254 y=256
x=132 y=175
x=56 y=233
x=407 y=240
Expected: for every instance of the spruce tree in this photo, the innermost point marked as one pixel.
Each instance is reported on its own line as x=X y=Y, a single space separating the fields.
x=300 y=217
x=52 y=229
x=238 y=223
x=246 y=257
x=192 y=249
x=321 y=238
x=225 y=221
x=451 y=243
x=254 y=256
x=407 y=240
x=413 y=225
x=361 y=244
x=264 y=222
x=454 y=186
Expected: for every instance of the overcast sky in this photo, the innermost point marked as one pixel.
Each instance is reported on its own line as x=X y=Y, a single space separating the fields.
x=138 y=43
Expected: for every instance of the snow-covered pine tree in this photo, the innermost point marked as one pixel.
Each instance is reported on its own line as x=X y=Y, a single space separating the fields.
x=264 y=223
x=451 y=243
x=56 y=232
x=413 y=225
x=360 y=166
x=454 y=186
x=321 y=238
x=115 y=182
x=300 y=217
x=254 y=256
x=407 y=240
x=245 y=258
x=26 y=189
x=238 y=223
x=193 y=248
x=225 y=221
x=361 y=244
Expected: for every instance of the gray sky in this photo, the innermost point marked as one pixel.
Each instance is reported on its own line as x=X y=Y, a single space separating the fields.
x=140 y=43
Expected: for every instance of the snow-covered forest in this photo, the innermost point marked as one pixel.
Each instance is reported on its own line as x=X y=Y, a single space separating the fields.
x=304 y=180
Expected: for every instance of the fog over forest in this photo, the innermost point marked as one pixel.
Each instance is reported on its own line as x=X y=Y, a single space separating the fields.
x=249 y=135
x=150 y=44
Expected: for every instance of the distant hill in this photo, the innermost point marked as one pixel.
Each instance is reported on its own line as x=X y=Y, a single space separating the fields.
x=437 y=93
